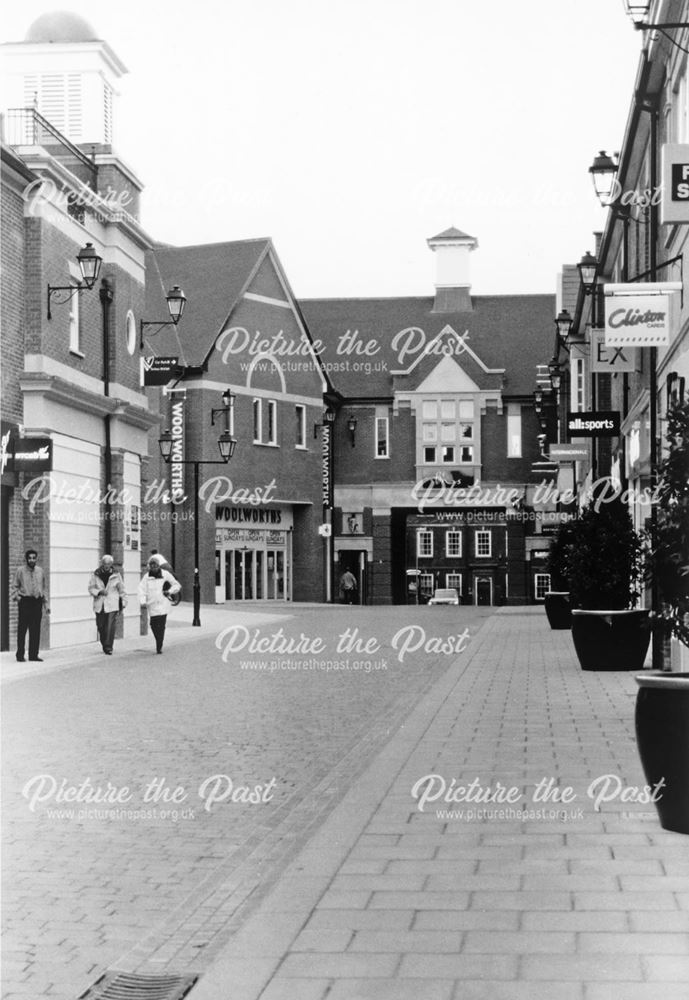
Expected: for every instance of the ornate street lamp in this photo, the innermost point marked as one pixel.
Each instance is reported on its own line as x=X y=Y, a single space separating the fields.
x=603 y=171
x=89 y=265
x=563 y=325
x=176 y=301
x=351 y=427
x=588 y=266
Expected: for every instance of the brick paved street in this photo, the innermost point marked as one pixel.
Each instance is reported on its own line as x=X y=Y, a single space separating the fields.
x=391 y=902
x=141 y=890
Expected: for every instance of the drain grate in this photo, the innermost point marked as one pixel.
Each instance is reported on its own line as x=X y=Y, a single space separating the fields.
x=130 y=986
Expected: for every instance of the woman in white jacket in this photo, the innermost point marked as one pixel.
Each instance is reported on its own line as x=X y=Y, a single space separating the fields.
x=154 y=585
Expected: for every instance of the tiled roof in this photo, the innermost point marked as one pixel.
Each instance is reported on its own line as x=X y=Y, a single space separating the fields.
x=514 y=332
x=452 y=234
x=212 y=276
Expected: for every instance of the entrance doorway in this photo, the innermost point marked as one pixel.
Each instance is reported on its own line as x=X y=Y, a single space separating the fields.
x=244 y=573
x=483 y=590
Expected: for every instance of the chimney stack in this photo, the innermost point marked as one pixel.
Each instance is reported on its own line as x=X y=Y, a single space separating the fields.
x=452 y=270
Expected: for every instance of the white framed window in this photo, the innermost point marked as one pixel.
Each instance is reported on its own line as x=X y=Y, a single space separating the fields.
x=75 y=321
x=541 y=585
x=578 y=397
x=258 y=421
x=453 y=545
x=484 y=542
x=454 y=580
x=130 y=332
x=426 y=584
x=300 y=430
x=514 y=430
x=272 y=407
x=382 y=437
x=446 y=428
x=424 y=542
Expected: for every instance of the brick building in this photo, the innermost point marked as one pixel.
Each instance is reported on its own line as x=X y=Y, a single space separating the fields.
x=259 y=515
x=71 y=365
x=436 y=438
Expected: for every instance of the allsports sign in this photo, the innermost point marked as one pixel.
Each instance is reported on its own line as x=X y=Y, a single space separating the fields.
x=594 y=423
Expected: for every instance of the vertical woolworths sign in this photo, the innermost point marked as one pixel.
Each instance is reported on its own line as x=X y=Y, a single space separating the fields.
x=177 y=404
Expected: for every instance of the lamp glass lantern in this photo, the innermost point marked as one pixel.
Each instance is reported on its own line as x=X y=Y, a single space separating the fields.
x=563 y=323
x=227 y=445
x=555 y=374
x=588 y=266
x=603 y=171
x=176 y=301
x=89 y=264
x=165 y=444
x=638 y=12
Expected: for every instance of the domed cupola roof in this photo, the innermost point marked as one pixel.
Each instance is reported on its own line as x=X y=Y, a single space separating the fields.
x=61 y=26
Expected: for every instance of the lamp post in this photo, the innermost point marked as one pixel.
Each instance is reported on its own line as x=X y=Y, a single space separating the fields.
x=226 y=445
x=603 y=171
x=89 y=265
x=176 y=301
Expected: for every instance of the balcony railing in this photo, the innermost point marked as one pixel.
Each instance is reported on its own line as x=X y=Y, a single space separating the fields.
x=26 y=127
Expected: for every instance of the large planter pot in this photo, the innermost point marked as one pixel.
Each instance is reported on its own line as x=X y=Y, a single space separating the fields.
x=558 y=609
x=662 y=735
x=611 y=640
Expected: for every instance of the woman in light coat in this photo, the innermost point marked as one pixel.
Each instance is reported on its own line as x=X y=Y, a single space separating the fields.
x=154 y=586
x=106 y=587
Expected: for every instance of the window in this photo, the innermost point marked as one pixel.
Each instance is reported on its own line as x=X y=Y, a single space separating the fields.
x=483 y=543
x=257 y=421
x=514 y=430
x=541 y=585
x=453 y=545
x=300 y=435
x=449 y=423
x=272 y=420
x=578 y=399
x=75 y=321
x=382 y=433
x=426 y=584
x=425 y=543
x=454 y=580
x=130 y=332
x=382 y=438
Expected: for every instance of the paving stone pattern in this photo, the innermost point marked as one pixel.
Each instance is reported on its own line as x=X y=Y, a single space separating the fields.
x=86 y=893
x=411 y=905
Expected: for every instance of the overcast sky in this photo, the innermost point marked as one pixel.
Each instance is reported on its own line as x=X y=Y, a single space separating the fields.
x=349 y=131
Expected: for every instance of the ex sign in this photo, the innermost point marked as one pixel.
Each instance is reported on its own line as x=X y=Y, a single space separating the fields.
x=607 y=358
x=674 y=205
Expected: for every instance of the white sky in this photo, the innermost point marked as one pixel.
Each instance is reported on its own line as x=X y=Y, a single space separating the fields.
x=349 y=131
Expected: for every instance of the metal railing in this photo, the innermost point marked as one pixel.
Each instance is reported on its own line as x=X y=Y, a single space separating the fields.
x=26 y=127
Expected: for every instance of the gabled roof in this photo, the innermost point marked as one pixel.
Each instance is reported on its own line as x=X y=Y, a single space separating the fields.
x=514 y=332
x=213 y=277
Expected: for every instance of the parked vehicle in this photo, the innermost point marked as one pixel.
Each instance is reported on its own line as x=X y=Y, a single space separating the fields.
x=445 y=595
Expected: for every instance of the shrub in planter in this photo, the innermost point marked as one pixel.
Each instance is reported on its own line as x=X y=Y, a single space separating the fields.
x=557 y=604
x=662 y=705
x=604 y=567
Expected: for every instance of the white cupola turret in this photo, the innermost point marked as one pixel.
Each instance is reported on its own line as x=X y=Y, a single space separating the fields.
x=67 y=74
x=452 y=270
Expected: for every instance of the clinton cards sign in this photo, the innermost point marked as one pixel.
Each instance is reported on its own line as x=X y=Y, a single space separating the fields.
x=639 y=315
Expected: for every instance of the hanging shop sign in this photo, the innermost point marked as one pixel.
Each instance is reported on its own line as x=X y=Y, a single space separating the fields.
x=32 y=455
x=159 y=371
x=326 y=465
x=639 y=314
x=177 y=403
x=606 y=358
x=674 y=203
x=594 y=423
x=568 y=452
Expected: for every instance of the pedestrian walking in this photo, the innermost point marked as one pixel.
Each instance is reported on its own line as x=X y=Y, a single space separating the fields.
x=154 y=587
x=348 y=587
x=30 y=591
x=106 y=587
